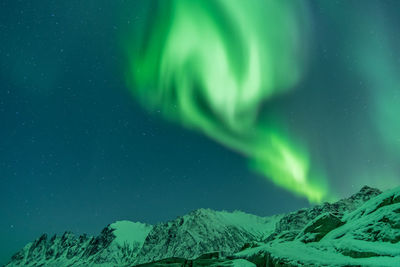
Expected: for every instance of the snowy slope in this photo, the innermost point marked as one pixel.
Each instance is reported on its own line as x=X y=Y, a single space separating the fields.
x=130 y=235
x=202 y=231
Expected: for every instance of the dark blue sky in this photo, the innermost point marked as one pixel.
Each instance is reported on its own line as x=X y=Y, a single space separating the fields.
x=77 y=152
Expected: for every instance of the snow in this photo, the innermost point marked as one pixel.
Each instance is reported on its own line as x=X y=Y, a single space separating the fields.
x=298 y=253
x=127 y=232
x=242 y=263
x=252 y=223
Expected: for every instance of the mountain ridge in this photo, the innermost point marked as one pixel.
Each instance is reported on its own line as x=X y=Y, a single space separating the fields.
x=232 y=238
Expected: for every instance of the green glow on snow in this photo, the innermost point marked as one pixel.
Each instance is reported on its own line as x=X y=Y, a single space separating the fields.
x=210 y=65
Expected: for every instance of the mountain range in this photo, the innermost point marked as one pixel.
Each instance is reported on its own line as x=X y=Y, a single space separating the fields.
x=362 y=230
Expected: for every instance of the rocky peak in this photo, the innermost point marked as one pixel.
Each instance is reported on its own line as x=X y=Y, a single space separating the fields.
x=290 y=225
x=365 y=193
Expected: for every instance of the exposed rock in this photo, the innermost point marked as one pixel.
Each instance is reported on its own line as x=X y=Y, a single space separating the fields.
x=319 y=227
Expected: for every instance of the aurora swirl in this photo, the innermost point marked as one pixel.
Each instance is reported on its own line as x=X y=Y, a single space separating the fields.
x=213 y=65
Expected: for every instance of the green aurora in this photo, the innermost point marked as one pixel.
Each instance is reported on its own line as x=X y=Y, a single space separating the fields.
x=213 y=65
x=380 y=69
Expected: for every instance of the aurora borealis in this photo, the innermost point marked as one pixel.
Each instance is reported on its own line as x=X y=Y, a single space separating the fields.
x=145 y=110
x=215 y=66
x=211 y=65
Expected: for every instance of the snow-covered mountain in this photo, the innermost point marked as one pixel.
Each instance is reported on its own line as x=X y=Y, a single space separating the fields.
x=202 y=231
x=117 y=245
x=126 y=243
x=291 y=224
x=363 y=230
x=366 y=236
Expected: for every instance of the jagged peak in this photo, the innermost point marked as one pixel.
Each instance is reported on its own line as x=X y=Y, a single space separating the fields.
x=367 y=190
x=208 y=211
x=199 y=212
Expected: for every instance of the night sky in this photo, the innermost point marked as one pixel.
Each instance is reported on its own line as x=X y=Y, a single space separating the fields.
x=78 y=151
